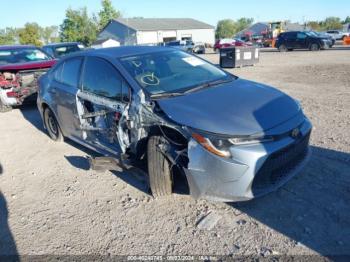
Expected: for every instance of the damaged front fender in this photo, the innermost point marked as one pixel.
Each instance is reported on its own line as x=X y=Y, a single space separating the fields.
x=207 y=173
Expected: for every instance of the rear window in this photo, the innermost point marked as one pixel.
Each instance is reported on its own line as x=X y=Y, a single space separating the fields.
x=69 y=72
x=65 y=50
x=22 y=55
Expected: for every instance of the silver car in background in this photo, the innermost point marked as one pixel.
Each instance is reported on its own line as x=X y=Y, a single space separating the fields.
x=184 y=45
x=232 y=139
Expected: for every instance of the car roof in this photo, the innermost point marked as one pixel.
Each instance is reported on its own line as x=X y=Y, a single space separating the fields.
x=6 y=47
x=61 y=44
x=123 y=51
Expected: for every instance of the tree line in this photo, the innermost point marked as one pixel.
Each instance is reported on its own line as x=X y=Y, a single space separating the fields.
x=227 y=28
x=77 y=26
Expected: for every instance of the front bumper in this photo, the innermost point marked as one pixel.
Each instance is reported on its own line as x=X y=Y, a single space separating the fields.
x=253 y=171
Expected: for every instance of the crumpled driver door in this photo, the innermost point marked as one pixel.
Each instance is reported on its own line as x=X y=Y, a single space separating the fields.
x=99 y=121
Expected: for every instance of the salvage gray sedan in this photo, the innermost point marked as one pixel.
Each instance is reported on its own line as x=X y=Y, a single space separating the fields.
x=231 y=138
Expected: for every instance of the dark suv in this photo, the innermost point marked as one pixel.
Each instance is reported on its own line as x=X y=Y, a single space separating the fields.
x=58 y=50
x=301 y=40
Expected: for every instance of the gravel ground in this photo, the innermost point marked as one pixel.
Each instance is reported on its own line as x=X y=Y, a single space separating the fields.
x=50 y=203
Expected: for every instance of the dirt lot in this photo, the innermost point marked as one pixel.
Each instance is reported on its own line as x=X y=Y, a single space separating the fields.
x=52 y=204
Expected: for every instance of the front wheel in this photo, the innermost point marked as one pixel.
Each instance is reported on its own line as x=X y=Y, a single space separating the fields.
x=159 y=170
x=52 y=127
x=314 y=47
x=282 y=48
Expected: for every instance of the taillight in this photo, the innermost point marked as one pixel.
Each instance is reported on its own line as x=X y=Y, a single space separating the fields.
x=12 y=94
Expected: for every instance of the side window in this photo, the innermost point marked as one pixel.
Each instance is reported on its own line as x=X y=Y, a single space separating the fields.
x=71 y=72
x=101 y=78
x=57 y=74
x=301 y=36
x=48 y=50
x=125 y=92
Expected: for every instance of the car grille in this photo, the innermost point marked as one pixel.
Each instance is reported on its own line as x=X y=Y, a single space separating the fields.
x=280 y=164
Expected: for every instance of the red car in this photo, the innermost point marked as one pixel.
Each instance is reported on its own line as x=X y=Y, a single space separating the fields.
x=227 y=42
x=20 y=68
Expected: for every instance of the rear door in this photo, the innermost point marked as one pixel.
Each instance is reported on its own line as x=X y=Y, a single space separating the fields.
x=64 y=89
x=101 y=104
x=290 y=40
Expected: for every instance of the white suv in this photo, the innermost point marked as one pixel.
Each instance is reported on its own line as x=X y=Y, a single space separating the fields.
x=337 y=35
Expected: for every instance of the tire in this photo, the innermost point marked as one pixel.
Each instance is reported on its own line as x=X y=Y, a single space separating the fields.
x=52 y=126
x=314 y=47
x=282 y=48
x=4 y=108
x=160 y=178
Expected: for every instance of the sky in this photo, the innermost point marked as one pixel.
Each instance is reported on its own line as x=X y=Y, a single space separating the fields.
x=52 y=12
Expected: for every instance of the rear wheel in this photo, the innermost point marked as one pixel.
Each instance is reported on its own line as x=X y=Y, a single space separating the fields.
x=52 y=126
x=282 y=48
x=159 y=170
x=314 y=47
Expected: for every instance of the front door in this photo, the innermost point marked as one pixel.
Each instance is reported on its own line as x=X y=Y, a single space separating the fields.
x=101 y=104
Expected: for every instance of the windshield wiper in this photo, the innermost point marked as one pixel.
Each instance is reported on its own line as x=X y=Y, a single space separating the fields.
x=166 y=95
x=194 y=89
x=208 y=84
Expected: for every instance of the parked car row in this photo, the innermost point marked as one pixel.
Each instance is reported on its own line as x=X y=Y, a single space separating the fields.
x=187 y=46
x=289 y=41
x=20 y=69
x=21 y=66
x=59 y=50
x=337 y=35
x=227 y=42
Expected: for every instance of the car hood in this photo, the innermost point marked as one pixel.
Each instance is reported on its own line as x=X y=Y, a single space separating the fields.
x=239 y=107
x=28 y=65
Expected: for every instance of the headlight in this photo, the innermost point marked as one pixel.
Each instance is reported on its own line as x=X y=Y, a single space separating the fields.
x=221 y=146
x=250 y=140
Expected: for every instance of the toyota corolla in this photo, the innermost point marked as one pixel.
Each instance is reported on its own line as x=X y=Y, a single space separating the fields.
x=231 y=138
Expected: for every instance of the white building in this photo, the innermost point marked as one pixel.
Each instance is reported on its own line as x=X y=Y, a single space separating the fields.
x=105 y=43
x=150 y=31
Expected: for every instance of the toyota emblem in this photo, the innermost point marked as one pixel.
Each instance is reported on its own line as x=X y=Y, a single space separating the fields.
x=295 y=133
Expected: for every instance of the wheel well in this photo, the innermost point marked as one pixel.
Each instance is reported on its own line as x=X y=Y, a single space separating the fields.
x=179 y=143
x=172 y=135
x=44 y=106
